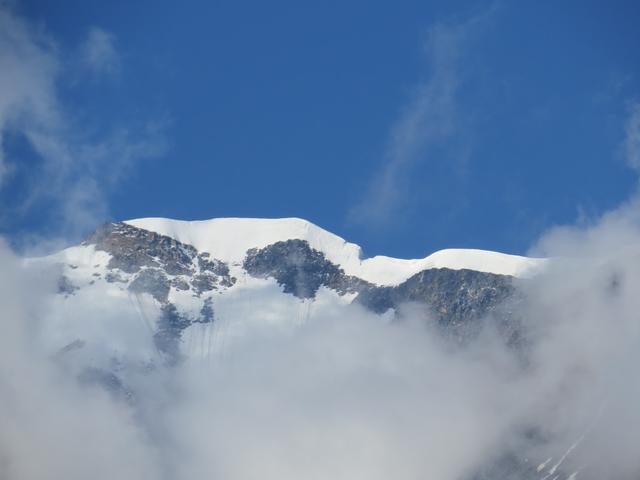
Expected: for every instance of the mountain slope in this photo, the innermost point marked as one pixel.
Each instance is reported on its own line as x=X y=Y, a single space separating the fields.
x=179 y=277
x=230 y=238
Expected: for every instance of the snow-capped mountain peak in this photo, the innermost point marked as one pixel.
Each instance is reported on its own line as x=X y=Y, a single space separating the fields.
x=187 y=274
x=229 y=239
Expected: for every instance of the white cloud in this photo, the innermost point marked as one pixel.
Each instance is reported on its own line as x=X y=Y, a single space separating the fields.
x=350 y=395
x=99 y=52
x=429 y=120
x=29 y=66
x=583 y=319
x=632 y=139
x=52 y=426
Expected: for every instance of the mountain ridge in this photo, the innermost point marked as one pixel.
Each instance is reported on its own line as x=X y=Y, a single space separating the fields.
x=230 y=238
x=175 y=282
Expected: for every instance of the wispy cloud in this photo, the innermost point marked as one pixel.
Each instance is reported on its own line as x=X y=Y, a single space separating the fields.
x=429 y=120
x=99 y=53
x=632 y=138
x=29 y=66
x=74 y=169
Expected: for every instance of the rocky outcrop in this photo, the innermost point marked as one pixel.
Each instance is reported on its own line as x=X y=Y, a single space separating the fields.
x=157 y=262
x=169 y=332
x=132 y=248
x=300 y=269
x=454 y=295
x=152 y=281
x=457 y=298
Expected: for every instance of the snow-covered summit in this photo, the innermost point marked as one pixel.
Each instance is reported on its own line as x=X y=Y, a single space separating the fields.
x=158 y=291
x=229 y=239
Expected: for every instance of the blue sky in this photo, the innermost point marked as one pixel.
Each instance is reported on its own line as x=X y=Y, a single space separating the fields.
x=403 y=126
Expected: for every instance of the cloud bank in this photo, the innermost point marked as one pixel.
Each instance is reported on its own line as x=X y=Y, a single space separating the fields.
x=52 y=427
x=350 y=394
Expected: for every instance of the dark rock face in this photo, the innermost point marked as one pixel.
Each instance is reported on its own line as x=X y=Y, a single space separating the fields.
x=152 y=281
x=300 y=269
x=170 y=326
x=133 y=248
x=206 y=312
x=179 y=284
x=454 y=296
x=154 y=257
x=204 y=282
x=215 y=267
x=462 y=302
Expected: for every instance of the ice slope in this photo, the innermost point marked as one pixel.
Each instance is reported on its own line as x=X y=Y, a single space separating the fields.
x=228 y=239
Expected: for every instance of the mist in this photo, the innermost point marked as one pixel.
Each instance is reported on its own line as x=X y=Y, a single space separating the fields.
x=350 y=394
x=347 y=394
x=53 y=427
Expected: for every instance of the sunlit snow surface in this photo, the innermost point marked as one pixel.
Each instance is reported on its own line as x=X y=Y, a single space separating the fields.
x=229 y=239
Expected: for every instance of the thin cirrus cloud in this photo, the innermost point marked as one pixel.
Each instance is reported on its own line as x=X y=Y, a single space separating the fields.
x=27 y=85
x=428 y=121
x=74 y=169
x=632 y=138
x=99 y=53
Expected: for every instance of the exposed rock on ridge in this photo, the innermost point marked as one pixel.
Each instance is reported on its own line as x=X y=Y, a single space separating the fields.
x=454 y=296
x=155 y=258
x=457 y=298
x=300 y=269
